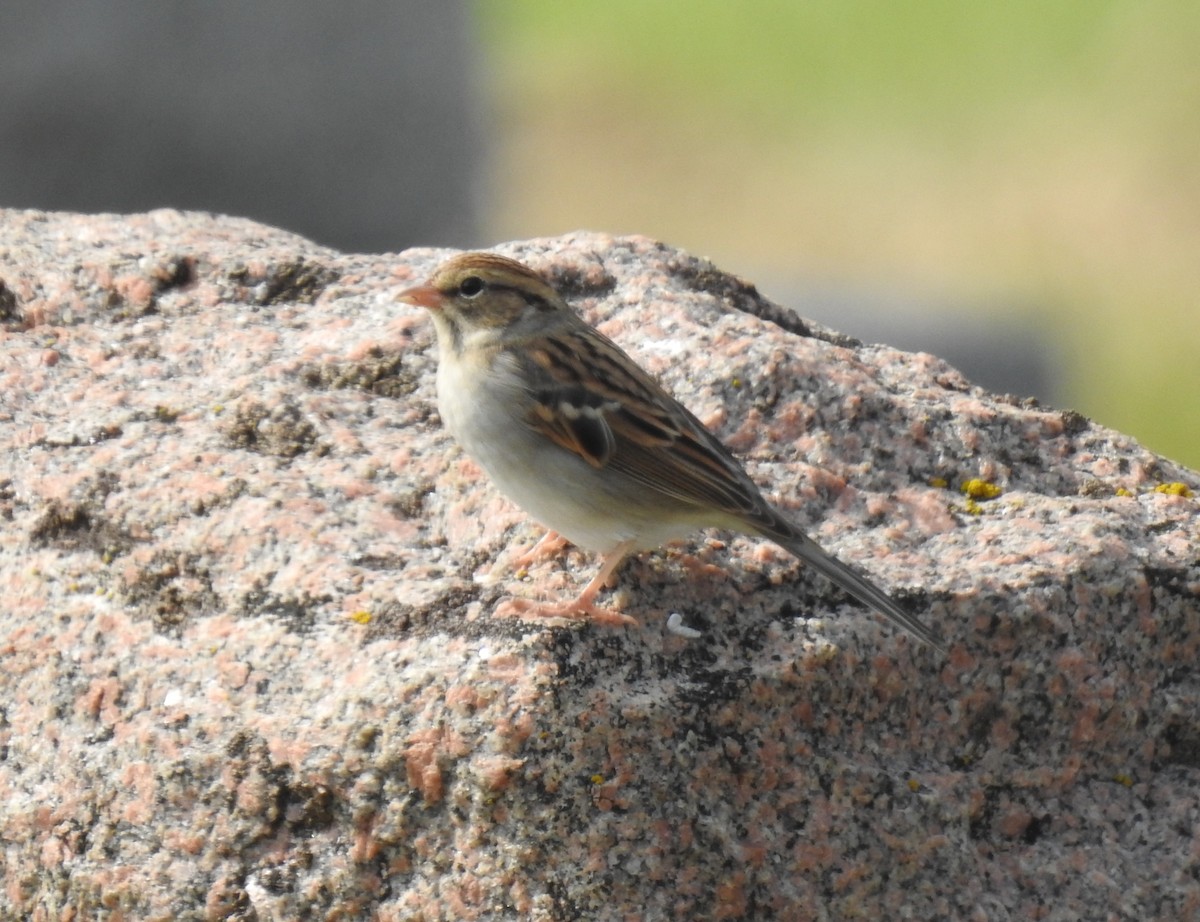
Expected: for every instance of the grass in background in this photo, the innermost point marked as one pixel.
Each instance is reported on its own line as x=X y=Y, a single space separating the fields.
x=1040 y=156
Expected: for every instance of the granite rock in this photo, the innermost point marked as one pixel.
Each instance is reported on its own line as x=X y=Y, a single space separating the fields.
x=251 y=671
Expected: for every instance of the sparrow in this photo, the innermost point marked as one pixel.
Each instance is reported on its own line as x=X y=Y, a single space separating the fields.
x=577 y=434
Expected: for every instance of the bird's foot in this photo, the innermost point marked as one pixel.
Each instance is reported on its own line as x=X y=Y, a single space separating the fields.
x=574 y=610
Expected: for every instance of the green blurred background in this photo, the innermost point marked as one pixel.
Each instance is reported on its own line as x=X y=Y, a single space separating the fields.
x=1032 y=162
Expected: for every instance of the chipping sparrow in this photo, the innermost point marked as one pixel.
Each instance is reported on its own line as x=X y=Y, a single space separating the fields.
x=571 y=429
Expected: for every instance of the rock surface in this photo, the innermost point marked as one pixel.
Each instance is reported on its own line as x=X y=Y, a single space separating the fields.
x=250 y=669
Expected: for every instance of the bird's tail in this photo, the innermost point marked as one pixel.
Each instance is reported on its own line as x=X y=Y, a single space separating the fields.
x=858 y=586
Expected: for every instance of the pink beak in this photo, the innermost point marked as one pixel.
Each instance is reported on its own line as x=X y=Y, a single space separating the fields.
x=423 y=296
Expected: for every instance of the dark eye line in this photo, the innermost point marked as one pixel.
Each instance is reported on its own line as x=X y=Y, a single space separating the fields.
x=472 y=286
x=533 y=299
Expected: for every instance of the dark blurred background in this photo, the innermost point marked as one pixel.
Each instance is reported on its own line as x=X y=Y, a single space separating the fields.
x=357 y=124
x=1015 y=187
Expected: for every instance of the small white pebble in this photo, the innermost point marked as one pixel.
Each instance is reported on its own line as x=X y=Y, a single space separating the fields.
x=676 y=626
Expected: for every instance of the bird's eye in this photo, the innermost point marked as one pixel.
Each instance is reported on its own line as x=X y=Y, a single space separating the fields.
x=470 y=286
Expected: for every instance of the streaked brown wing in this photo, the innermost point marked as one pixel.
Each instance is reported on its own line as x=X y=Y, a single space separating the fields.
x=564 y=416
x=592 y=399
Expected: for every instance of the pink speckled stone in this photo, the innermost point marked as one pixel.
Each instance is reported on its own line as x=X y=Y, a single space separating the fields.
x=250 y=669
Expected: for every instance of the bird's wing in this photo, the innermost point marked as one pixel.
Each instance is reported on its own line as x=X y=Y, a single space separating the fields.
x=592 y=399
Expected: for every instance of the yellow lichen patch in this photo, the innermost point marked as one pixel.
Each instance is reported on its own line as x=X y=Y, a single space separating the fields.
x=939 y=482
x=360 y=617
x=1121 y=491
x=980 y=489
x=1174 y=489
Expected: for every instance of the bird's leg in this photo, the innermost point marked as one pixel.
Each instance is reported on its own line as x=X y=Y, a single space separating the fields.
x=547 y=545
x=600 y=580
x=582 y=606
